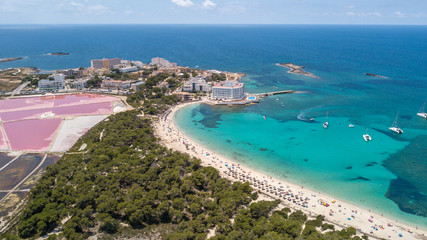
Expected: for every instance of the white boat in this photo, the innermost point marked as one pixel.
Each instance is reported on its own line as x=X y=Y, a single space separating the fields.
x=311 y=119
x=394 y=127
x=351 y=125
x=421 y=113
x=326 y=124
x=265 y=118
x=366 y=136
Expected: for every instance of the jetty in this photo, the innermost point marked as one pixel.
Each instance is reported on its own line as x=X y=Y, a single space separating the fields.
x=272 y=93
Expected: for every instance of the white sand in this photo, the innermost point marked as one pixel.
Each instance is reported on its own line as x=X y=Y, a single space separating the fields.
x=337 y=213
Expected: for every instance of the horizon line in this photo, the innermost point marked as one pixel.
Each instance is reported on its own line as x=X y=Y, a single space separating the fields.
x=213 y=24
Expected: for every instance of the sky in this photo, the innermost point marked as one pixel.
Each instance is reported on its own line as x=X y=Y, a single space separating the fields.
x=392 y=12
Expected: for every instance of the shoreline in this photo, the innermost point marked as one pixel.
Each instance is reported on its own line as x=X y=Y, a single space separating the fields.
x=341 y=213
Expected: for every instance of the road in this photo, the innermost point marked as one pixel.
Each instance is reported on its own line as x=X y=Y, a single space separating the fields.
x=19 y=89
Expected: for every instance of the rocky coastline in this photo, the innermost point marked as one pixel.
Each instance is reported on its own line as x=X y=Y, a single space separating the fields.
x=58 y=54
x=295 y=69
x=375 y=75
x=2 y=60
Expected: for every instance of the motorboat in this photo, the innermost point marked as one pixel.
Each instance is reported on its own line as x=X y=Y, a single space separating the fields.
x=265 y=118
x=351 y=126
x=421 y=113
x=394 y=127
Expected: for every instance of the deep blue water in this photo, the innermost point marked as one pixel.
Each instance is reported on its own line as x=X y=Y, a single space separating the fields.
x=387 y=174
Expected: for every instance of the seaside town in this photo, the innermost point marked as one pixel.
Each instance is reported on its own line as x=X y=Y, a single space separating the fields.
x=118 y=77
x=124 y=77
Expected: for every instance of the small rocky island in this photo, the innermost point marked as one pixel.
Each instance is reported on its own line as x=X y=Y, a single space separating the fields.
x=296 y=69
x=58 y=53
x=2 y=60
x=374 y=75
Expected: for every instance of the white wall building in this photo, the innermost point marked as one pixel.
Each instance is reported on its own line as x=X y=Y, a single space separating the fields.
x=114 y=84
x=128 y=69
x=80 y=84
x=228 y=90
x=163 y=63
x=47 y=84
x=138 y=64
x=105 y=63
x=197 y=84
x=59 y=77
x=136 y=86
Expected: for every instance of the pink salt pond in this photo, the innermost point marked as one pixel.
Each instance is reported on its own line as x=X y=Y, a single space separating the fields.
x=88 y=109
x=31 y=135
x=32 y=123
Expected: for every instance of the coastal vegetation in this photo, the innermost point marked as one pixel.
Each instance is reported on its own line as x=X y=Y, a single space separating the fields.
x=124 y=181
x=11 y=78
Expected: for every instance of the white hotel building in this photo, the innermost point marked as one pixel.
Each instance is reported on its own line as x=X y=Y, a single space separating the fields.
x=57 y=83
x=228 y=90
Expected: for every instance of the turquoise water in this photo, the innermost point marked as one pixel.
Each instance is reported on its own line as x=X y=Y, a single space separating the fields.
x=388 y=173
x=336 y=160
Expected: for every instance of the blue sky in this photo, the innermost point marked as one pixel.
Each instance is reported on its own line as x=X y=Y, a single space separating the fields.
x=213 y=11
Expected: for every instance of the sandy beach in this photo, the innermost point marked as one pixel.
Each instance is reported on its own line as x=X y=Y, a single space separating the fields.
x=336 y=211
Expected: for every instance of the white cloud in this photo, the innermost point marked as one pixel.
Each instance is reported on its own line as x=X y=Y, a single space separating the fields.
x=399 y=14
x=74 y=4
x=98 y=8
x=183 y=3
x=349 y=6
x=233 y=7
x=128 y=12
x=84 y=8
x=208 y=4
x=7 y=8
x=362 y=14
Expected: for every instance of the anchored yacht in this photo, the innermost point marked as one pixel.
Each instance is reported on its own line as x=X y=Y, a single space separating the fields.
x=394 y=127
x=421 y=113
x=325 y=124
x=366 y=136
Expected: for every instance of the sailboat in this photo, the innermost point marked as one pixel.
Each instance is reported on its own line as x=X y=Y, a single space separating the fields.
x=394 y=127
x=366 y=136
x=325 y=124
x=421 y=113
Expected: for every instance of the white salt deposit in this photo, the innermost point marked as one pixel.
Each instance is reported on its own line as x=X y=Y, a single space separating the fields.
x=47 y=115
x=71 y=130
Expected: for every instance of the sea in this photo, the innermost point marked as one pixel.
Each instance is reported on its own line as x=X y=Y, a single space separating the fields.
x=387 y=175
